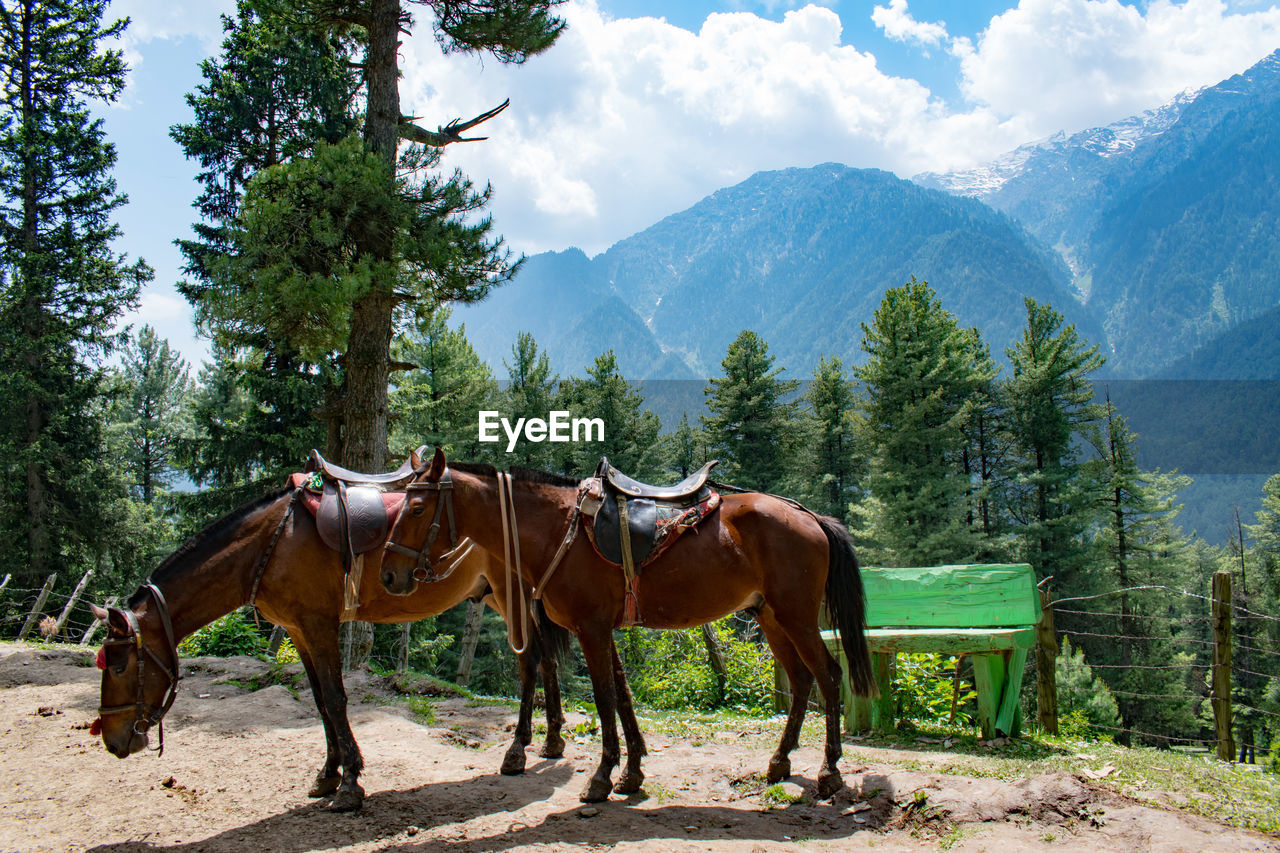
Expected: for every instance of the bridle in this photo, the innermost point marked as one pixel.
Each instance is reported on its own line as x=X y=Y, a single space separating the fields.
x=425 y=569
x=146 y=714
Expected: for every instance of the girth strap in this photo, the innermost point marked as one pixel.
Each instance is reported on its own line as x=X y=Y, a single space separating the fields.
x=510 y=535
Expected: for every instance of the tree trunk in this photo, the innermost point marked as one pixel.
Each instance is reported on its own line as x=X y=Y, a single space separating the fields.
x=470 y=638
x=368 y=356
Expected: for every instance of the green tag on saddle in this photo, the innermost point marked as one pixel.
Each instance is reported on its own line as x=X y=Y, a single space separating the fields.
x=315 y=482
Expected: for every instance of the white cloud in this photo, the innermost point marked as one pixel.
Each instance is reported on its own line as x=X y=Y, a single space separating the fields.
x=625 y=121
x=899 y=25
x=1070 y=64
x=151 y=20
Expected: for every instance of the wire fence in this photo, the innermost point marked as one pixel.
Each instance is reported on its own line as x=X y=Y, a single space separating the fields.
x=1216 y=653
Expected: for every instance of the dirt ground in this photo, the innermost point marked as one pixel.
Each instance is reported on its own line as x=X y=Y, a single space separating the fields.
x=238 y=762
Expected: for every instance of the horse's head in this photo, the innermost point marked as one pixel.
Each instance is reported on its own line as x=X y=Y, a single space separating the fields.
x=139 y=663
x=412 y=554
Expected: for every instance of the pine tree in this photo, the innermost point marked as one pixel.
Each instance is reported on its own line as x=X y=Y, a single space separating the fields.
x=63 y=287
x=528 y=394
x=155 y=417
x=366 y=228
x=630 y=431
x=833 y=468
x=436 y=402
x=1050 y=404
x=1142 y=547
x=751 y=424
x=918 y=378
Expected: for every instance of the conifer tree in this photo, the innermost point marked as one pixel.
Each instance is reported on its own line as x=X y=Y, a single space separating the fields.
x=1051 y=406
x=918 y=378
x=832 y=467
x=62 y=287
x=358 y=229
x=155 y=411
x=437 y=401
x=751 y=424
x=630 y=431
x=528 y=394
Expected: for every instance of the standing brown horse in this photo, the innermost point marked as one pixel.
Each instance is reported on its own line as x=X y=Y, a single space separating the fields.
x=757 y=552
x=300 y=587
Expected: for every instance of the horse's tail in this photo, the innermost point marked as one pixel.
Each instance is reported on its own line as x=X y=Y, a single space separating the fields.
x=847 y=605
x=555 y=640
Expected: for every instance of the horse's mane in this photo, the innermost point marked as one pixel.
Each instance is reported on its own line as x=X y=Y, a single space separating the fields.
x=527 y=475
x=210 y=535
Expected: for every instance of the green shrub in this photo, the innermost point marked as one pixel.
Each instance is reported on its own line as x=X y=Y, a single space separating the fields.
x=670 y=670
x=233 y=634
x=923 y=683
x=287 y=653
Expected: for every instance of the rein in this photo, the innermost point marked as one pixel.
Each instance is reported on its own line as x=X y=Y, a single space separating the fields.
x=425 y=571
x=510 y=534
x=147 y=715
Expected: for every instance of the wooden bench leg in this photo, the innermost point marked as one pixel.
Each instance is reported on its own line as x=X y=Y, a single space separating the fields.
x=1007 y=717
x=883 y=707
x=989 y=675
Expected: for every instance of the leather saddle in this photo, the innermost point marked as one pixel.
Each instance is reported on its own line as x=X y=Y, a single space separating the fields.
x=353 y=511
x=655 y=515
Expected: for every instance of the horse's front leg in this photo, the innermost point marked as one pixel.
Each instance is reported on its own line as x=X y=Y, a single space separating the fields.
x=632 y=775
x=322 y=646
x=329 y=777
x=597 y=648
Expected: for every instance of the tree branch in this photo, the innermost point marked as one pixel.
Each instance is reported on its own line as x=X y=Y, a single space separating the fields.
x=451 y=132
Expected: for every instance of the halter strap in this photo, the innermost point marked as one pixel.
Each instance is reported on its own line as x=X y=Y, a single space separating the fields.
x=425 y=571
x=171 y=671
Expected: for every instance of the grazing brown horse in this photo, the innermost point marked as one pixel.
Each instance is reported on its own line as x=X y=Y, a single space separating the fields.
x=757 y=552
x=301 y=588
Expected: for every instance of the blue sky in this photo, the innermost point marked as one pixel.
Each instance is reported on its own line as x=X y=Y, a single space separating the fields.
x=643 y=108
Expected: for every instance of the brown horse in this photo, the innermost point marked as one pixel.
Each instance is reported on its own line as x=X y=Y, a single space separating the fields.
x=300 y=587
x=758 y=553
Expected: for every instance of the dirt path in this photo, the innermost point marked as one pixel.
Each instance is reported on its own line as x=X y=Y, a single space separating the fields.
x=237 y=765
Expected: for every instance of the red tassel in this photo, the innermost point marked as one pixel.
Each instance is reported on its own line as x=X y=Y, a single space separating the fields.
x=95 y=728
x=102 y=659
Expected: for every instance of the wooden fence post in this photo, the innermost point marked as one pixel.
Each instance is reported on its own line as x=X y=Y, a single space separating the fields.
x=1222 y=664
x=273 y=644
x=96 y=626
x=35 y=611
x=402 y=660
x=5 y=582
x=1046 y=668
x=71 y=602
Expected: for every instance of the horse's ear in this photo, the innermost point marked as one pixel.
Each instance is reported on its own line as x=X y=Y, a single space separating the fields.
x=98 y=613
x=117 y=624
x=438 y=465
x=415 y=458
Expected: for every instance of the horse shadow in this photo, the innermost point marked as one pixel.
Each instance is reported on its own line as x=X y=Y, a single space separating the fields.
x=388 y=816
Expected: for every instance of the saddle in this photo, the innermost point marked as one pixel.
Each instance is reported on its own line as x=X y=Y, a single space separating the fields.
x=353 y=511
x=631 y=524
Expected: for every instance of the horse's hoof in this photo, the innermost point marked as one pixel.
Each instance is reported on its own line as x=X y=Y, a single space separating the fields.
x=348 y=800
x=513 y=761
x=829 y=783
x=597 y=791
x=779 y=769
x=629 y=783
x=324 y=785
x=553 y=748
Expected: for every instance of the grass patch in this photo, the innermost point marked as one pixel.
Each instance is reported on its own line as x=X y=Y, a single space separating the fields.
x=955 y=836
x=777 y=796
x=422 y=709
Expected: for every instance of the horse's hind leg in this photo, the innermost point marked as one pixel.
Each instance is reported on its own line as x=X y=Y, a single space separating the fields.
x=598 y=648
x=801 y=682
x=553 y=747
x=513 y=762
x=328 y=778
x=322 y=645
x=632 y=776
x=813 y=652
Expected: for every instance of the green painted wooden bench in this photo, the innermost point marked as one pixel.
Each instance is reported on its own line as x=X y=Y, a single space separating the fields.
x=988 y=612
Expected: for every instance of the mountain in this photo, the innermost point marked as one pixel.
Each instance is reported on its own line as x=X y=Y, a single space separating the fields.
x=801 y=256
x=1168 y=219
